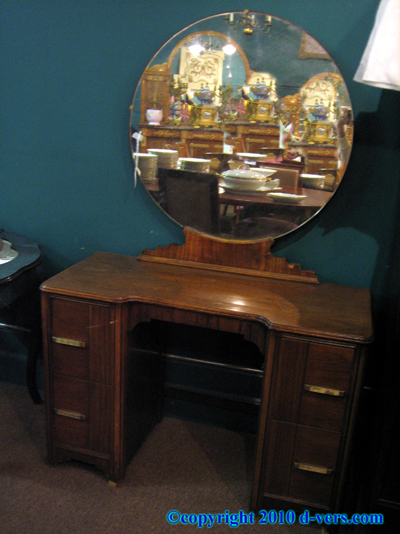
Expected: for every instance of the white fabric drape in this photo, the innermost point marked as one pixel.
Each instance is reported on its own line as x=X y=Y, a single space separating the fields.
x=380 y=63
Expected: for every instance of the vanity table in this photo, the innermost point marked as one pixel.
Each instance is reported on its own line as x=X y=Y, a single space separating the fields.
x=106 y=320
x=104 y=389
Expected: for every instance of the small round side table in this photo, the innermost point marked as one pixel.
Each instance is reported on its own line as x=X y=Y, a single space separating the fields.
x=20 y=300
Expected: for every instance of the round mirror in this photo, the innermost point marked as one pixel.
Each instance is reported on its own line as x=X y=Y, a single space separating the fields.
x=241 y=126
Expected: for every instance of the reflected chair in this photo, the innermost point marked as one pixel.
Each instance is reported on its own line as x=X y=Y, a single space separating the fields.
x=190 y=198
x=238 y=144
x=331 y=179
x=288 y=175
x=254 y=145
x=197 y=149
x=272 y=153
x=181 y=147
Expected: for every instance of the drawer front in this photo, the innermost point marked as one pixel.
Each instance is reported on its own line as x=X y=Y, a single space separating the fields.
x=82 y=414
x=70 y=320
x=329 y=366
x=326 y=386
x=70 y=338
x=302 y=463
x=311 y=384
x=71 y=412
x=314 y=465
x=82 y=340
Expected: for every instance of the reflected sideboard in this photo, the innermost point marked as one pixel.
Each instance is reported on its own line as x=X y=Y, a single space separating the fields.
x=104 y=394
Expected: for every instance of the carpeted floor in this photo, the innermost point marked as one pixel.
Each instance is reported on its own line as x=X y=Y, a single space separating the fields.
x=183 y=466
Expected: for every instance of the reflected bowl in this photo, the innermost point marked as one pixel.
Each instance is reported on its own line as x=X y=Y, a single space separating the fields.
x=195 y=164
x=313 y=181
x=244 y=180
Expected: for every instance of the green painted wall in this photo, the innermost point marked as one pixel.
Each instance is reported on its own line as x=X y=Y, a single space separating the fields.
x=68 y=71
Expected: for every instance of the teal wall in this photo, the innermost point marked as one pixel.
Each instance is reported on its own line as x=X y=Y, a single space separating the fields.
x=68 y=71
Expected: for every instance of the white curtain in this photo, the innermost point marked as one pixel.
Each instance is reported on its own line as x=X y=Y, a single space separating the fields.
x=380 y=64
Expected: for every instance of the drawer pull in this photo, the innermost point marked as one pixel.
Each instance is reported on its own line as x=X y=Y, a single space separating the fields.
x=71 y=415
x=70 y=342
x=324 y=391
x=313 y=468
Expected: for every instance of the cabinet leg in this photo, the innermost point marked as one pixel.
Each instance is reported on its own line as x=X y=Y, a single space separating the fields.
x=34 y=348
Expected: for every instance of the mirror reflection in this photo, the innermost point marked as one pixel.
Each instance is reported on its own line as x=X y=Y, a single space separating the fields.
x=241 y=126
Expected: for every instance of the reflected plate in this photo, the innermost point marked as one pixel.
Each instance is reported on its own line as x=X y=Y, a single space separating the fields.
x=244 y=174
x=163 y=151
x=195 y=160
x=287 y=198
x=261 y=191
x=7 y=253
x=313 y=181
x=250 y=155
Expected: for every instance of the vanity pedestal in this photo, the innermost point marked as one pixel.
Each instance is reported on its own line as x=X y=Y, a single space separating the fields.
x=104 y=393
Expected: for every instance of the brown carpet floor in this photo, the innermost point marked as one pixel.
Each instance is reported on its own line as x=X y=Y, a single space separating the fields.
x=184 y=466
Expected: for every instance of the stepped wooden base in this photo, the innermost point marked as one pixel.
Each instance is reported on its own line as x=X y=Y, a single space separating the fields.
x=240 y=257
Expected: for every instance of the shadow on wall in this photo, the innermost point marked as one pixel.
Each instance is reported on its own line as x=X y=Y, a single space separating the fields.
x=365 y=203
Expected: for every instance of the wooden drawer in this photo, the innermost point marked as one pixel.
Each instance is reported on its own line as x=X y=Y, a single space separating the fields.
x=71 y=411
x=70 y=320
x=70 y=338
x=301 y=463
x=82 y=414
x=81 y=340
x=318 y=377
x=326 y=386
x=254 y=144
x=198 y=148
x=314 y=465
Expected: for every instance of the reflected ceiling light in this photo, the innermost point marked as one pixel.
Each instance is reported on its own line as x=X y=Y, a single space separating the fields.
x=211 y=46
x=229 y=49
x=196 y=49
x=249 y=22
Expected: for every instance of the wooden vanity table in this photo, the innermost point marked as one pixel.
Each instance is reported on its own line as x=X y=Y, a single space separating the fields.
x=104 y=390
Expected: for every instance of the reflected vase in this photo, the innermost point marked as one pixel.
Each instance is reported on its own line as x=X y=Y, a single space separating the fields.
x=154 y=116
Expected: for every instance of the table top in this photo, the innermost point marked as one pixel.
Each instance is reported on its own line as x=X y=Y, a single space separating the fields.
x=323 y=310
x=315 y=198
x=28 y=256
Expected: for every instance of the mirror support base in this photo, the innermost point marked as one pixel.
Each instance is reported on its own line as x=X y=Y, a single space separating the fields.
x=241 y=257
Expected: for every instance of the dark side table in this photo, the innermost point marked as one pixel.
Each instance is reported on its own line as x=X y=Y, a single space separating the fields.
x=20 y=301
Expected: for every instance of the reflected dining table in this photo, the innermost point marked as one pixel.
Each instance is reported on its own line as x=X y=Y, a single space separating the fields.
x=261 y=204
x=314 y=200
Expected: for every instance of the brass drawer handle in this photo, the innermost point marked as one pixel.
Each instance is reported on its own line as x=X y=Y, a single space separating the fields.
x=313 y=468
x=71 y=415
x=69 y=342
x=324 y=391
